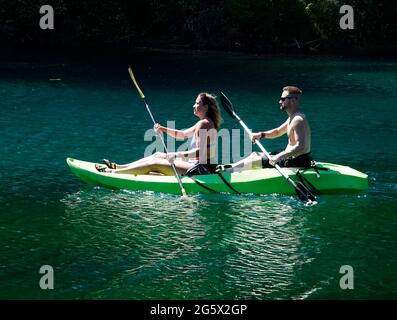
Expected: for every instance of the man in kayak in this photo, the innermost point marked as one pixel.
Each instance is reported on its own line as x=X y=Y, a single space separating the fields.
x=297 y=152
x=200 y=159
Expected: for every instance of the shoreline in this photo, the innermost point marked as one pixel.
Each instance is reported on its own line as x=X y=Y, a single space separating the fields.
x=109 y=55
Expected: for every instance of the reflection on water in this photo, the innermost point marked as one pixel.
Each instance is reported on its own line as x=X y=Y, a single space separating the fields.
x=205 y=246
x=146 y=245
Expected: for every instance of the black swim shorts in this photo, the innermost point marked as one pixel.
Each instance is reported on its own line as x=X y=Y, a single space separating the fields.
x=304 y=160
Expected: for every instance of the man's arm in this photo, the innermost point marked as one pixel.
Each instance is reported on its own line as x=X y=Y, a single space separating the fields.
x=271 y=134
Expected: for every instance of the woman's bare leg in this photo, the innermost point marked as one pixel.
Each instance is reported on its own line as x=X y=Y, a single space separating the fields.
x=159 y=155
x=155 y=165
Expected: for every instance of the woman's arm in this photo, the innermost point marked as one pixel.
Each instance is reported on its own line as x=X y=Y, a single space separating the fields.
x=201 y=130
x=192 y=153
x=203 y=137
x=178 y=134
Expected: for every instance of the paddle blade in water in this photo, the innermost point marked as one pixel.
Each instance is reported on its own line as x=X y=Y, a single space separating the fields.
x=303 y=193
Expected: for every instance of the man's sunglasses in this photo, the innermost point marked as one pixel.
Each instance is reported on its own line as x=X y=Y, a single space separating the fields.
x=290 y=96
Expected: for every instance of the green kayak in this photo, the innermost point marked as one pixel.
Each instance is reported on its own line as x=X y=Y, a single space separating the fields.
x=325 y=178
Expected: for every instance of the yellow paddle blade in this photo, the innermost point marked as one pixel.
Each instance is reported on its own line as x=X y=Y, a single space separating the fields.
x=136 y=84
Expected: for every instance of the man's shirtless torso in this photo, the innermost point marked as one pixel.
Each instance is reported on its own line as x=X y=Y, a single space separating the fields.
x=298 y=129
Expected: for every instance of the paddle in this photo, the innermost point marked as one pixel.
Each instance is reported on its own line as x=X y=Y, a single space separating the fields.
x=303 y=193
x=160 y=136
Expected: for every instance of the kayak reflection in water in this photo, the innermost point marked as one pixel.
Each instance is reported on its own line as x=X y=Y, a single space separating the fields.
x=297 y=152
x=199 y=159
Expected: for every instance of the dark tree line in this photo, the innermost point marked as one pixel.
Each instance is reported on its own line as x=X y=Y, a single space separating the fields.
x=262 y=26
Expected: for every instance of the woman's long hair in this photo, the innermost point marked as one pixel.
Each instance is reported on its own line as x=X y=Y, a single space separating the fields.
x=213 y=109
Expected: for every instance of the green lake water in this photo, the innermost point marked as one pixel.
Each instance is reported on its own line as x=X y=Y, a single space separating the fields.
x=105 y=244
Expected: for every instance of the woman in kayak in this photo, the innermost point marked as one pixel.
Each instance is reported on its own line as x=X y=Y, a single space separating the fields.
x=199 y=159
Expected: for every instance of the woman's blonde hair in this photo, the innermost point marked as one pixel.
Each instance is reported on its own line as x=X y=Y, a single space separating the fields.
x=213 y=109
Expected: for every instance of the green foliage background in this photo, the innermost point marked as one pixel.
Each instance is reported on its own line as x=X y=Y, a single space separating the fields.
x=261 y=26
